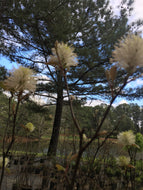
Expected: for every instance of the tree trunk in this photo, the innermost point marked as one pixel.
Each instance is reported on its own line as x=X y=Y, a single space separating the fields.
x=57 y=120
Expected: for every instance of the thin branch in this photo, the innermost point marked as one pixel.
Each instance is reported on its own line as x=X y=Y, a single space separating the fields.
x=82 y=149
x=71 y=108
x=105 y=115
x=105 y=139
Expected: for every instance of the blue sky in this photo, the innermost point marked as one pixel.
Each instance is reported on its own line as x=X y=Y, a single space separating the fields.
x=137 y=13
x=5 y=62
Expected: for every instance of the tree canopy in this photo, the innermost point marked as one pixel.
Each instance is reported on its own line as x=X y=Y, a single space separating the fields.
x=30 y=29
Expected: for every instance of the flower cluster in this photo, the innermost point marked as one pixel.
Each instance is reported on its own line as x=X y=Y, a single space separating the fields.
x=126 y=138
x=29 y=127
x=21 y=79
x=63 y=56
x=123 y=161
x=128 y=53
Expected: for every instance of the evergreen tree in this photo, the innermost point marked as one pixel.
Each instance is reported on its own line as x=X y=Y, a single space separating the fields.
x=31 y=28
x=3 y=73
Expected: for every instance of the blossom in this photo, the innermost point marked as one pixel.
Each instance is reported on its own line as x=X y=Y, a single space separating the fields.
x=85 y=137
x=64 y=55
x=123 y=161
x=128 y=53
x=21 y=79
x=126 y=138
x=1 y=161
x=29 y=127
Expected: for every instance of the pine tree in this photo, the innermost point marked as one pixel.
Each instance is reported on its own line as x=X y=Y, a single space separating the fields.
x=32 y=27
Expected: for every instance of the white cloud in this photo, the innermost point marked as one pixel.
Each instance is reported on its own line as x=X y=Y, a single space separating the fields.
x=94 y=103
x=42 y=79
x=38 y=99
x=43 y=98
x=139 y=82
x=138 y=9
x=120 y=102
x=114 y=4
x=137 y=12
x=135 y=84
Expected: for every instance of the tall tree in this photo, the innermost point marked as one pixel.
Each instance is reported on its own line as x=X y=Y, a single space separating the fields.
x=136 y=116
x=3 y=73
x=32 y=27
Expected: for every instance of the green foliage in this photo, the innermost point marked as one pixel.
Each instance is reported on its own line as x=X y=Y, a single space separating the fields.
x=3 y=73
x=139 y=141
x=3 y=112
x=112 y=172
x=130 y=118
x=41 y=118
x=88 y=117
x=89 y=25
x=35 y=28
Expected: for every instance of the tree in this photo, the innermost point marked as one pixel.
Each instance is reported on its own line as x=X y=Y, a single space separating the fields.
x=39 y=116
x=4 y=111
x=32 y=27
x=84 y=115
x=131 y=114
x=3 y=73
x=136 y=116
x=20 y=84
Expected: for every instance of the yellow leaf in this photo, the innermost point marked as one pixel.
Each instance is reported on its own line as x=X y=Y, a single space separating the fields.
x=113 y=72
x=107 y=75
x=131 y=166
x=59 y=167
x=102 y=133
x=73 y=157
x=136 y=146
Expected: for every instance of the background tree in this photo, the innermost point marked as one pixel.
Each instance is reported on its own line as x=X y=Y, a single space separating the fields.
x=131 y=114
x=40 y=117
x=136 y=116
x=31 y=28
x=3 y=112
x=3 y=73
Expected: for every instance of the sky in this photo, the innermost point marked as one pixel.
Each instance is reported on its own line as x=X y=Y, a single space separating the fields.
x=138 y=8
x=137 y=14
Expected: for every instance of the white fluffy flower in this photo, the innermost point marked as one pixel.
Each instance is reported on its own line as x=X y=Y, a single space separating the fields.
x=128 y=53
x=123 y=161
x=126 y=138
x=66 y=55
x=21 y=79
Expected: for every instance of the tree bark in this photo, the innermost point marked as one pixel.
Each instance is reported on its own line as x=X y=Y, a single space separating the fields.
x=57 y=120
